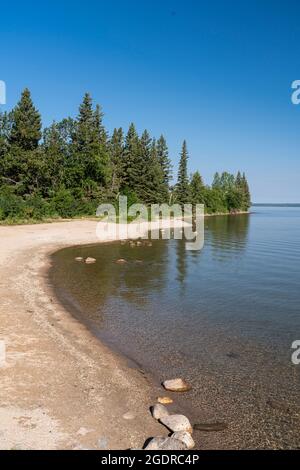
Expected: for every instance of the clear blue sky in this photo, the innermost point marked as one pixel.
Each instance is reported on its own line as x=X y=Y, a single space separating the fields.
x=217 y=74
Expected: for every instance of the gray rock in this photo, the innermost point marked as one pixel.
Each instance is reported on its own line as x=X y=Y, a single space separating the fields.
x=176 y=385
x=184 y=437
x=165 y=443
x=177 y=423
x=155 y=443
x=159 y=411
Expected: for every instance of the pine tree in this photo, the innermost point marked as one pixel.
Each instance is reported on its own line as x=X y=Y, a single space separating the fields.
x=238 y=180
x=116 y=149
x=26 y=124
x=197 y=188
x=164 y=160
x=246 y=192
x=182 y=187
x=216 y=181
x=133 y=163
x=155 y=190
x=90 y=162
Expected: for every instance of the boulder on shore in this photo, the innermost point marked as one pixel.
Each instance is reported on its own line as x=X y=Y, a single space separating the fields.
x=165 y=443
x=159 y=411
x=184 y=437
x=177 y=423
x=176 y=385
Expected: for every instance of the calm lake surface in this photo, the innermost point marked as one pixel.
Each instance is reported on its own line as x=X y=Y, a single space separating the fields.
x=224 y=318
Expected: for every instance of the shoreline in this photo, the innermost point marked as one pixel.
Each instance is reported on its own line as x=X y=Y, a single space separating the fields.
x=62 y=388
x=95 y=219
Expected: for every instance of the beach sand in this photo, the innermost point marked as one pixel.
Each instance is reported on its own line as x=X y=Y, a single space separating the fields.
x=60 y=387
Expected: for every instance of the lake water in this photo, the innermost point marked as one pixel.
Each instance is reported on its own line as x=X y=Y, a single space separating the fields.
x=224 y=318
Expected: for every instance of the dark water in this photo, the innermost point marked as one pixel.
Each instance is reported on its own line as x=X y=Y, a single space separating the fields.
x=224 y=318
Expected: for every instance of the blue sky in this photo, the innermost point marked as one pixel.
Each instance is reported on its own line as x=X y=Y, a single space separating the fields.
x=217 y=74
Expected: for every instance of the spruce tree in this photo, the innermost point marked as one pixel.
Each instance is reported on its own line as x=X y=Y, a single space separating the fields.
x=26 y=124
x=182 y=187
x=155 y=190
x=133 y=164
x=197 y=188
x=216 y=181
x=90 y=160
x=164 y=160
x=246 y=192
x=116 y=149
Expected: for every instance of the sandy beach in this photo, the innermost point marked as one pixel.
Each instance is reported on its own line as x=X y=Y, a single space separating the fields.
x=60 y=387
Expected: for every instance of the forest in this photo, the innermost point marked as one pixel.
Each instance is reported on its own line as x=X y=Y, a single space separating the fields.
x=68 y=169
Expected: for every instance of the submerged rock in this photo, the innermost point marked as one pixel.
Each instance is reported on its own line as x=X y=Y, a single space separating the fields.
x=210 y=427
x=79 y=258
x=90 y=260
x=121 y=261
x=176 y=385
x=177 y=423
x=164 y=400
x=159 y=411
x=184 y=437
x=165 y=443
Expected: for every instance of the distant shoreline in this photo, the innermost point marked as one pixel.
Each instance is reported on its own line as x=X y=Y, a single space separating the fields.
x=270 y=204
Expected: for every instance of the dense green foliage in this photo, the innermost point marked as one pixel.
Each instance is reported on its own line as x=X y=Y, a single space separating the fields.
x=69 y=168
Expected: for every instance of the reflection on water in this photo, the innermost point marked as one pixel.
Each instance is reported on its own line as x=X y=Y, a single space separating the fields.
x=223 y=317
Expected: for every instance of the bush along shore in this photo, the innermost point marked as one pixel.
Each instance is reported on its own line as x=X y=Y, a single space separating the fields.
x=69 y=168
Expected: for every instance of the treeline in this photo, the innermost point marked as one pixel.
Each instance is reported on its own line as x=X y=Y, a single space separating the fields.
x=69 y=168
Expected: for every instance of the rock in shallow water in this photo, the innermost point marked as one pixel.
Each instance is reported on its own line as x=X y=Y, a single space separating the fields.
x=177 y=423
x=165 y=443
x=176 y=385
x=90 y=260
x=79 y=258
x=159 y=411
x=184 y=437
x=121 y=261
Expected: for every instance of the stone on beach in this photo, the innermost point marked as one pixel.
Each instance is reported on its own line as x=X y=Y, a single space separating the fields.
x=164 y=400
x=165 y=443
x=184 y=437
x=159 y=411
x=90 y=260
x=176 y=385
x=177 y=423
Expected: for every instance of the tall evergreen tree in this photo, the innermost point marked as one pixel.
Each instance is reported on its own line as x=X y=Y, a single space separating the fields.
x=26 y=124
x=164 y=160
x=116 y=149
x=216 y=181
x=246 y=192
x=133 y=163
x=197 y=188
x=182 y=187
x=90 y=169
